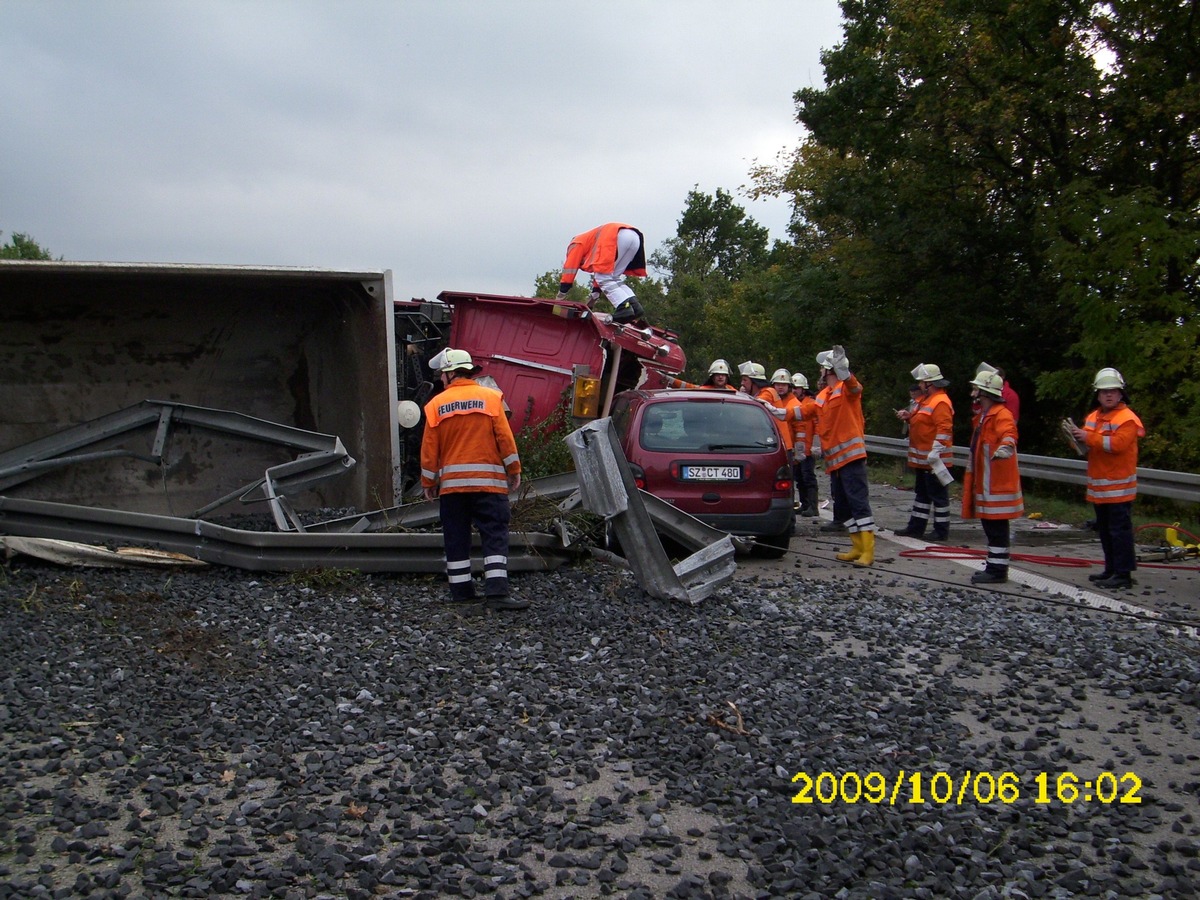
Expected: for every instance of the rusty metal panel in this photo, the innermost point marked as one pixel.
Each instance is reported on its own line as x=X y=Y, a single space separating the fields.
x=310 y=348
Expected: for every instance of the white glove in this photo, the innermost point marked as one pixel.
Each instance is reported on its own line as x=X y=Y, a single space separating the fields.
x=841 y=365
x=1004 y=451
x=934 y=455
x=798 y=455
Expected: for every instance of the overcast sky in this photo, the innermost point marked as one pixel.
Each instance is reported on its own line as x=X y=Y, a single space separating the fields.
x=459 y=143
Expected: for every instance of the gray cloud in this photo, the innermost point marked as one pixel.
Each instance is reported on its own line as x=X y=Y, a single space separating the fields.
x=460 y=144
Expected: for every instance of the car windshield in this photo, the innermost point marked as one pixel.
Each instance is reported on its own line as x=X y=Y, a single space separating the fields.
x=708 y=427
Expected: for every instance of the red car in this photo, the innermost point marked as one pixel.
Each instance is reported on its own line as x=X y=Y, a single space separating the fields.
x=716 y=455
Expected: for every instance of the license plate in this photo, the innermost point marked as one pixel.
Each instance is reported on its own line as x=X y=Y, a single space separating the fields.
x=711 y=473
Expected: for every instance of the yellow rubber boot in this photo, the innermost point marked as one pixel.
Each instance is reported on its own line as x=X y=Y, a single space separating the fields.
x=856 y=551
x=867 y=545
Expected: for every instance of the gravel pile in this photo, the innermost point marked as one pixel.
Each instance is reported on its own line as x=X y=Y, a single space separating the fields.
x=206 y=733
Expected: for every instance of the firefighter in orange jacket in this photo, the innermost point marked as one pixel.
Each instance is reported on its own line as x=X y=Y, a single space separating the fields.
x=1110 y=436
x=469 y=462
x=802 y=414
x=992 y=483
x=609 y=252
x=718 y=379
x=841 y=428
x=930 y=439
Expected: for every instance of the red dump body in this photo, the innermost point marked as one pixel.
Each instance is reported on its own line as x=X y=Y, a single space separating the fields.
x=534 y=347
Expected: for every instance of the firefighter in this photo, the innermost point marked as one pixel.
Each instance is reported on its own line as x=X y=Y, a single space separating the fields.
x=841 y=428
x=718 y=379
x=1109 y=437
x=775 y=397
x=469 y=462
x=930 y=443
x=754 y=378
x=804 y=429
x=992 y=483
x=609 y=252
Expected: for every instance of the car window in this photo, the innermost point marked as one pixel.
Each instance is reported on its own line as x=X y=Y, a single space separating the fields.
x=703 y=426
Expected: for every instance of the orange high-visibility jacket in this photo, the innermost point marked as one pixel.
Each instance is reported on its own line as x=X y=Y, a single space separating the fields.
x=932 y=422
x=992 y=487
x=771 y=396
x=596 y=251
x=468 y=443
x=840 y=423
x=802 y=414
x=1112 y=441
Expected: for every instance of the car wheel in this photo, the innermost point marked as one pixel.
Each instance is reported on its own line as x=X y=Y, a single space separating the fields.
x=772 y=546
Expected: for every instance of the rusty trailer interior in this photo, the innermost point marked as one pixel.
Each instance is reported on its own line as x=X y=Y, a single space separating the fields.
x=305 y=348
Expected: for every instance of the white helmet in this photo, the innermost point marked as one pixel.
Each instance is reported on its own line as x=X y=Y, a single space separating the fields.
x=989 y=383
x=753 y=369
x=1108 y=379
x=781 y=376
x=719 y=367
x=927 y=372
x=823 y=359
x=453 y=360
x=984 y=367
x=799 y=381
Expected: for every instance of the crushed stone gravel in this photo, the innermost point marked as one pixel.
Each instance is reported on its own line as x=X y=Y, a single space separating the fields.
x=211 y=733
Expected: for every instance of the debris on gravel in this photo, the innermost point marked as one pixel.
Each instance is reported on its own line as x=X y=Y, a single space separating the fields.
x=209 y=733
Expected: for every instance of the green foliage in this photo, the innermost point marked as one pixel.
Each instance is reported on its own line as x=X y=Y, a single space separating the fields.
x=542 y=448
x=22 y=246
x=974 y=186
x=546 y=285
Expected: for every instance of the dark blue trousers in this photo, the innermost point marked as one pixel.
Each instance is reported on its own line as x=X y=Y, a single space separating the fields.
x=852 y=496
x=1114 y=522
x=490 y=514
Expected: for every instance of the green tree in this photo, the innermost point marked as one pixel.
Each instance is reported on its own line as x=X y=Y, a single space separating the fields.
x=22 y=246
x=975 y=186
x=715 y=247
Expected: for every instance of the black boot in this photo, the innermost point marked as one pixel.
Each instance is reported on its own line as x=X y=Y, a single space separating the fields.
x=809 y=508
x=915 y=528
x=940 y=533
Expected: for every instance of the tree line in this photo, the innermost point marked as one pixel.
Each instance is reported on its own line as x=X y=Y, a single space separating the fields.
x=1010 y=182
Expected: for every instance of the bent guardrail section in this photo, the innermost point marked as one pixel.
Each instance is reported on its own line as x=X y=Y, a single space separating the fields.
x=607 y=489
x=1152 y=482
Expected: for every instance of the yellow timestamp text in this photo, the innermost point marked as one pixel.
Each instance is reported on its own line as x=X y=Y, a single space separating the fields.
x=944 y=788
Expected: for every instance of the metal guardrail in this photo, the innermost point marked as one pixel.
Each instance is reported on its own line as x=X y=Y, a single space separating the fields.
x=1153 y=482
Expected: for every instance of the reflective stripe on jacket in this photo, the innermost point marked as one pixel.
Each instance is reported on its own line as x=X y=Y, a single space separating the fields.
x=802 y=413
x=840 y=424
x=994 y=489
x=1112 y=440
x=596 y=251
x=468 y=443
x=932 y=422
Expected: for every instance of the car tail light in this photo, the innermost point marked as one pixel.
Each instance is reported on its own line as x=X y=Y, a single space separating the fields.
x=783 y=479
x=639 y=477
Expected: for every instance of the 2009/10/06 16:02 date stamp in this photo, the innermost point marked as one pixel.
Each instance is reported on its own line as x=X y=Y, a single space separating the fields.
x=970 y=787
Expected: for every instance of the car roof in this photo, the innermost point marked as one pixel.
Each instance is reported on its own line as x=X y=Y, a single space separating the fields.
x=657 y=394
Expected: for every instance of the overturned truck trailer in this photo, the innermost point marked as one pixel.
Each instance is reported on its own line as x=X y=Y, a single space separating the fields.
x=141 y=398
x=307 y=348
x=556 y=361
